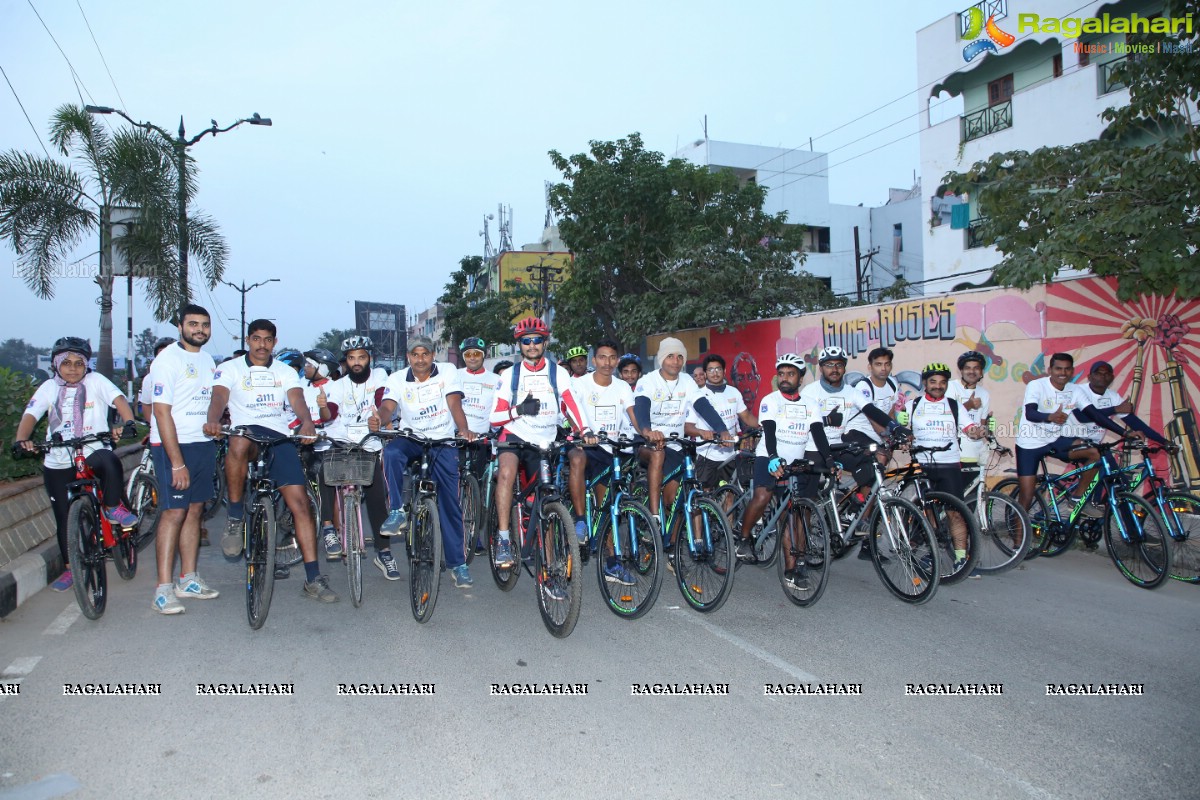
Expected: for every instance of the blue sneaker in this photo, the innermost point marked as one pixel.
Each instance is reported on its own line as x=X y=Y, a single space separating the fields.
x=333 y=543
x=396 y=519
x=504 y=554
x=555 y=590
x=462 y=577
x=62 y=582
x=581 y=532
x=616 y=573
x=387 y=563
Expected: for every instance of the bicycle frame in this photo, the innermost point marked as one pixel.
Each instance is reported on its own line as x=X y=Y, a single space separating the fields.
x=685 y=497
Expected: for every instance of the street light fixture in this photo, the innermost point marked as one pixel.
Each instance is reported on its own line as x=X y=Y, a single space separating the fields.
x=244 y=289
x=181 y=143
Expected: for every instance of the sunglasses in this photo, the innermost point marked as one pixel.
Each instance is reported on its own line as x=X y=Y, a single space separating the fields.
x=532 y=339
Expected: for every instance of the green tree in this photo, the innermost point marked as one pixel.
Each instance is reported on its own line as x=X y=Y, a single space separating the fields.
x=471 y=310
x=20 y=356
x=332 y=339
x=48 y=207
x=664 y=245
x=1126 y=205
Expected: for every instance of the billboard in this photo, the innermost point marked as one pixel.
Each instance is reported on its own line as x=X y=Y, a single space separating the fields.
x=386 y=324
x=540 y=269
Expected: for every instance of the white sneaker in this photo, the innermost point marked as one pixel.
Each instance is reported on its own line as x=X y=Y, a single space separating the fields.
x=167 y=603
x=193 y=586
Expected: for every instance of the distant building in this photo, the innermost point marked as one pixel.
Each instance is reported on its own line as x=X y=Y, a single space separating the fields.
x=431 y=322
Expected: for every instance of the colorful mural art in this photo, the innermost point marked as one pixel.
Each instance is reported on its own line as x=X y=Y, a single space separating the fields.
x=1152 y=342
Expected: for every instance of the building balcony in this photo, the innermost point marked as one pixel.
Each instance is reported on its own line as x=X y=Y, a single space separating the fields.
x=1106 y=81
x=975 y=234
x=987 y=120
x=987 y=8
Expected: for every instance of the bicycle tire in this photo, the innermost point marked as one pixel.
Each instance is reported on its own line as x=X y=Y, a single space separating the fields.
x=1004 y=532
x=634 y=524
x=556 y=534
x=1040 y=518
x=471 y=498
x=727 y=499
x=218 y=497
x=911 y=571
x=1144 y=558
x=125 y=542
x=424 y=558
x=506 y=577
x=353 y=547
x=85 y=547
x=1182 y=518
x=806 y=518
x=260 y=560
x=705 y=573
x=939 y=503
x=144 y=503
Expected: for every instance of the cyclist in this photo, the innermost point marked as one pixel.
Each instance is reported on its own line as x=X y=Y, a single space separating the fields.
x=880 y=389
x=316 y=366
x=77 y=401
x=576 y=362
x=427 y=396
x=629 y=368
x=1049 y=404
x=974 y=403
x=1109 y=403
x=260 y=391
x=838 y=402
x=501 y=366
x=937 y=420
x=714 y=462
x=788 y=419
x=181 y=378
x=352 y=400
x=146 y=394
x=479 y=394
x=535 y=395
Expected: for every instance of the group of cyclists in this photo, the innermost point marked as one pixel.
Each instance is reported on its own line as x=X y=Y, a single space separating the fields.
x=315 y=399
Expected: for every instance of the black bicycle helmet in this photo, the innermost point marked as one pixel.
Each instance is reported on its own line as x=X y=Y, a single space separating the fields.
x=72 y=344
x=972 y=355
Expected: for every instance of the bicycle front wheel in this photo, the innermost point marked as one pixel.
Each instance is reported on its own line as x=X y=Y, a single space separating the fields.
x=143 y=501
x=506 y=577
x=352 y=528
x=629 y=581
x=471 y=498
x=940 y=510
x=704 y=556
x=85 y=547
x=424 y=558
x=1136 y=541
x=904 y=551
x=1182 y=516
x=1004 y=533
x=1042 y=521
x=805 y=538
x=556 y=565
x=260 y=560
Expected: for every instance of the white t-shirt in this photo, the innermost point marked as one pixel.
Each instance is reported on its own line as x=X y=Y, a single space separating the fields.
x=933 y=425
x=605 y=408
x=728 y=403
x=971 y=449
x=883 y=398
x=848 y=399
x=1048 y=400
x=355 y=402
x=421 y=405
x=182 y=380
x=258 y=395
x=101 y=394
x=1090 y=430
x=479 y=397
x=793 y=418
x=542 y=428
x=670 y=401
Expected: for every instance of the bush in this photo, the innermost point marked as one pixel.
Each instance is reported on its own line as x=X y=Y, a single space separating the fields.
x=15 y=390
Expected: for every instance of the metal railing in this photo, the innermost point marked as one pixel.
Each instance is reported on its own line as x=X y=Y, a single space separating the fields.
x=1106 y=80
x=975 y=234
x=987 y=120
x=988 y=8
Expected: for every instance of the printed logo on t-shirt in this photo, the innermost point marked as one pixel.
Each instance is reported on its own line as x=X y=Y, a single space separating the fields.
x=158 y=390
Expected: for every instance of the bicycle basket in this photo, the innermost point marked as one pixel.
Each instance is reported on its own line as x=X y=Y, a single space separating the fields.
x=350 y=467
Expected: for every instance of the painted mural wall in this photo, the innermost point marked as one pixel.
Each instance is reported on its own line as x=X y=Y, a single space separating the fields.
x=1153 y=344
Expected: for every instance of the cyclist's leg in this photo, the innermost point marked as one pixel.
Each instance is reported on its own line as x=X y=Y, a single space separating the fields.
x=396 y=456
x=949 y=479
x=111 y=475
x=764 y=486
x=288 y=475
x=862 y=467
x=237 y=460
x=653 y=459
x=1028 y=459
x=375 y=498
x=578 y=457
x=55 y=481
x=445 y=475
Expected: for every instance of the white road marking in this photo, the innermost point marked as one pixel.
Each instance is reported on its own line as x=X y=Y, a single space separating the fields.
x=20 y=668
x=63 y=621
x=746 y=647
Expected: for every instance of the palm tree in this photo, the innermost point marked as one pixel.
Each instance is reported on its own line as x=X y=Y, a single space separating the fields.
x=47 y=207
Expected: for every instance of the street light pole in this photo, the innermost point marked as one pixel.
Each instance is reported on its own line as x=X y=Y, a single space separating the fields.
x=244 y=289
x=181 y=143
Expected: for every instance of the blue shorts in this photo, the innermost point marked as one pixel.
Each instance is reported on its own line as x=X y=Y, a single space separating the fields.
x=200 y=458
x=763 y=477
x=284 y=467
x=1028 y=457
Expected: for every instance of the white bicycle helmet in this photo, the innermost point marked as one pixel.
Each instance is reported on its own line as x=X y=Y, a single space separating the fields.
x=832 y=353
x=791 y=360
x=358 y=343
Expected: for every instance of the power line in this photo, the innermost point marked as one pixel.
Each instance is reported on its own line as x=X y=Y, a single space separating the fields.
x=101 y=52
x=78 y=80
x=26 y=113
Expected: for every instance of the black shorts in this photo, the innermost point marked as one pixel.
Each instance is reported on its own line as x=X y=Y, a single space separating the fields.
x=859 y=464
x=762 y=477
x=1028 y=457
x=710 y=472
x=946 y=478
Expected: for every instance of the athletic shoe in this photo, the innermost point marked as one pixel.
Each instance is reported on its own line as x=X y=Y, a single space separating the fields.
x=975 y=573
x=504 y=554
x=387 y=564
x=616 y=573
x=396 y=520
x=462 y=577
x=745 y=550
x=121 y=516
x=193 y=586
x=581 y=532
x=333 y=543
x=319 y=590
x=234 y=538
x=959 y=563
x=167 y=603
x=554 y=590
x=282 y=571
x=797 y=578
x=62 y=582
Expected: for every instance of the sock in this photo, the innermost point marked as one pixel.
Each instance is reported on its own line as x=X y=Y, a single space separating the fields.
x=185 y=578
x=237 y=510
x=163 y=588
x=311 y=571
x=504 y=536
x=960 y=554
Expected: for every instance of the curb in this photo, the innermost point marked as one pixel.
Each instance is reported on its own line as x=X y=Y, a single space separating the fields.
x=28 y=575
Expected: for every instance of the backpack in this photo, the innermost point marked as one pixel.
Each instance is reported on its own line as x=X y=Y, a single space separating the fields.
x=895 y=386
x=953 y=408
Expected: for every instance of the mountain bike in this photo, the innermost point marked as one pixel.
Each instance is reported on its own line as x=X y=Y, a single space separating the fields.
x=1178 y=510
x=1005 y=534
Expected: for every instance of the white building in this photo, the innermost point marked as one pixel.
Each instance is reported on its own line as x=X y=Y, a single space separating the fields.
x=1026 y=90
x=798 y=184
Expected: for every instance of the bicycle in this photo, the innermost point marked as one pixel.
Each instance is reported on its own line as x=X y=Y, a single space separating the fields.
x=1178 y=510
x=348 y=468
x=218 y=498
x=141 y=488
x=1005 y=535
x=545 y=534
x=625 y=540
x=471 y=494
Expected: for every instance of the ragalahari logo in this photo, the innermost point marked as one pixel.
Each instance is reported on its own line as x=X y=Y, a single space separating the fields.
x=974 y=26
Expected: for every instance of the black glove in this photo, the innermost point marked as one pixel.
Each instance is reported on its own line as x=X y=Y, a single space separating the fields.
x=529 y=407
x=129 y=431
x=901 y=432
x=834 y=418
x=18 y=451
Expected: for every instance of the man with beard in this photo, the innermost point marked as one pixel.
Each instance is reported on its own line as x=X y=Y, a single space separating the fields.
x=352 y=400
x=181 y=379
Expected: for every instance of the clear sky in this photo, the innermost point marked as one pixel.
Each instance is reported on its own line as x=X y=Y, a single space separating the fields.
x=398 y=126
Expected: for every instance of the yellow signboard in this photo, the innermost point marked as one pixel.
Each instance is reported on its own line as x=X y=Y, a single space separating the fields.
x=540 y=270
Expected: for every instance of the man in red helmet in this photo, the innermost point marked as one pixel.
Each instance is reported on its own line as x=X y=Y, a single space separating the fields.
x=533 y=400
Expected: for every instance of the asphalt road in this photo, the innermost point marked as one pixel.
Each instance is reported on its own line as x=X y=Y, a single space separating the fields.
x=1072 y=620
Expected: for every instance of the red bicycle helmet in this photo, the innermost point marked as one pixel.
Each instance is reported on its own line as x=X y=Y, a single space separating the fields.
x=531 y=326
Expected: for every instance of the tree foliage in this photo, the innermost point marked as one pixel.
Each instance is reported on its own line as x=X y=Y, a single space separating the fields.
x=472 y=311
x=664 y=245
x=1126 y=205
x=332 y=339
x=20 y=356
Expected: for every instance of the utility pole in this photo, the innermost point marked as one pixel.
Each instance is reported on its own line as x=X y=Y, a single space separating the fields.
x=858 y=267
x=546 y=275
x=244 y=289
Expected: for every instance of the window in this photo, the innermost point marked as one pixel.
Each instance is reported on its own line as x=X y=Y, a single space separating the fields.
x=1057 y=65
x=1085 y=57
x=898 y=235
x=816 y=240
x=1000 y=90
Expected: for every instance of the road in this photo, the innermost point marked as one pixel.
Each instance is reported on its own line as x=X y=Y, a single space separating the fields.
x=1072 y=620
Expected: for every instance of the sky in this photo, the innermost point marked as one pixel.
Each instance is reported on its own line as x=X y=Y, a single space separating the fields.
x=399 y=126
